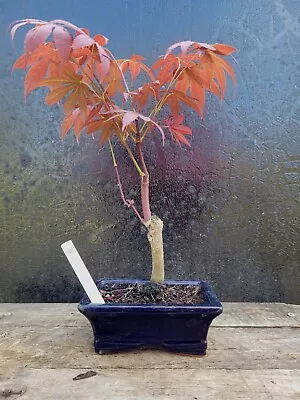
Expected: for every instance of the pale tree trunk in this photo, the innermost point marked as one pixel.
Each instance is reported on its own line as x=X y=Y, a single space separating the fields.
x=155 y=228
x=153 y=223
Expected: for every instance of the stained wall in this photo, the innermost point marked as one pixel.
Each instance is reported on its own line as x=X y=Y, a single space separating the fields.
x=230 y=204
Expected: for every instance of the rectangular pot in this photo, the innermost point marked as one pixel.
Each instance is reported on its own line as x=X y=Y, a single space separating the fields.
x=175 y=328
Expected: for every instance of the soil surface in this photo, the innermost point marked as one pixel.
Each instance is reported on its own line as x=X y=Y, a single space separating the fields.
x=151 y=293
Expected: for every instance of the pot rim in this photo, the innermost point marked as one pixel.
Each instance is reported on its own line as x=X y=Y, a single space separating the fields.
x=210 y=305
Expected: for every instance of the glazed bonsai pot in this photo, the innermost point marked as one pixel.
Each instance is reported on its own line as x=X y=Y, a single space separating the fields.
x=175 y=328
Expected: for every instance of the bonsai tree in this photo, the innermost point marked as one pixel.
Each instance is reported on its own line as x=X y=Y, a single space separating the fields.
x=100 y=94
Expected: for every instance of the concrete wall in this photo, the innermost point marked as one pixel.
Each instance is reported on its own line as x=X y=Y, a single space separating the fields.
x=230 y=204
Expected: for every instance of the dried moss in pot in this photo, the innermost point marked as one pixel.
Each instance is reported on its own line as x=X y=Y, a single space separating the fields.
x=152 y=293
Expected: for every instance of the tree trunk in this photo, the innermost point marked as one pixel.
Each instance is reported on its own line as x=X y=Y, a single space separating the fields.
x=155 y=228
x=153 y=223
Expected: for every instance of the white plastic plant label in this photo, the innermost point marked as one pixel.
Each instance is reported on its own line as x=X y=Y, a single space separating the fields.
x=82 y=273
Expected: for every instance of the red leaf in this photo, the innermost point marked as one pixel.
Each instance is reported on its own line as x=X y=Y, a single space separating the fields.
x=106 y=126
x=34 y=76
x=82 y=41
x=224 y=49
x=128 y=117
x=105 y=62
x=137 y=57
x=63 y=42
x=66 y=125
x=221 y=79
x=73 y=119
x=134 y=68
x=200 y=46
x=177 y=119
x=183 y=46
x=180 y=138
x=141 y=97
x=94 y=126
x=177 y=130
x=36 y=36
x=167 y=66
x=186 y=44
x=225 y=65
x=17 y=24
x=67 y=24
x=215 y=89
x=54 y=70
x=20 y=63
x=135 y=65
x=159 y=63
x=71 y=102
x=182 y=83
x=182 y=129
x=57 y=94
x=198 y=93
x=187 y=100
x=78 y=123
x=101 y=40
x=94 y=111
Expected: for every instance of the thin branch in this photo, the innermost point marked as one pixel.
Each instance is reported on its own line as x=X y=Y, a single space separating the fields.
x=140 y=152
x=112 y=153
x=128 y=203
x=145 y=197
x=125 y=144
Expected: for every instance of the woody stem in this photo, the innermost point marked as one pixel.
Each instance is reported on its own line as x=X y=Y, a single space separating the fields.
x=153 y=223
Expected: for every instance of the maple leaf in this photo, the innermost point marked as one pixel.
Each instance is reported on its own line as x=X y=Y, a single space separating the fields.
x=223 y=49
x=40 y=33
x=45 y=50
x=185 y=45
x=142 y=95
x=76 y=120
x=198 y=92
x=177 y=130
x=41 y=62
x=34 y=77
x=101 y=40
x=69 y=85
x=214 y=67
x=166 y=66
x=134 y=65
x=63 y=41
x=174 y=98
x=62 y=38
x=207 y=70
x=128 y=117
x=105 y=125
x=17 y=24
x=80 y=71
x=83 y=40
x=172 y=69
x=113 y=79
x=93 y=58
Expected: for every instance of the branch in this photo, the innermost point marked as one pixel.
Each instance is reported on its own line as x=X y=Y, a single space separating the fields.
x=128 y=203
x=140 y=152
x=145 y=179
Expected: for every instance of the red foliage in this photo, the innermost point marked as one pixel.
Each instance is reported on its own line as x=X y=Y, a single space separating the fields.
x=82 y=72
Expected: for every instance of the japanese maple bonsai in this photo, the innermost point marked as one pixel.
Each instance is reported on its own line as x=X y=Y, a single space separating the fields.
x=99 y=96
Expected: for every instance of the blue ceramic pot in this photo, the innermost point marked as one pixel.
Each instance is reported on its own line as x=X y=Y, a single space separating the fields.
x=179 y=329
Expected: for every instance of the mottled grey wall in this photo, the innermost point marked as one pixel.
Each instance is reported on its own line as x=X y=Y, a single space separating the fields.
x=230 y=204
